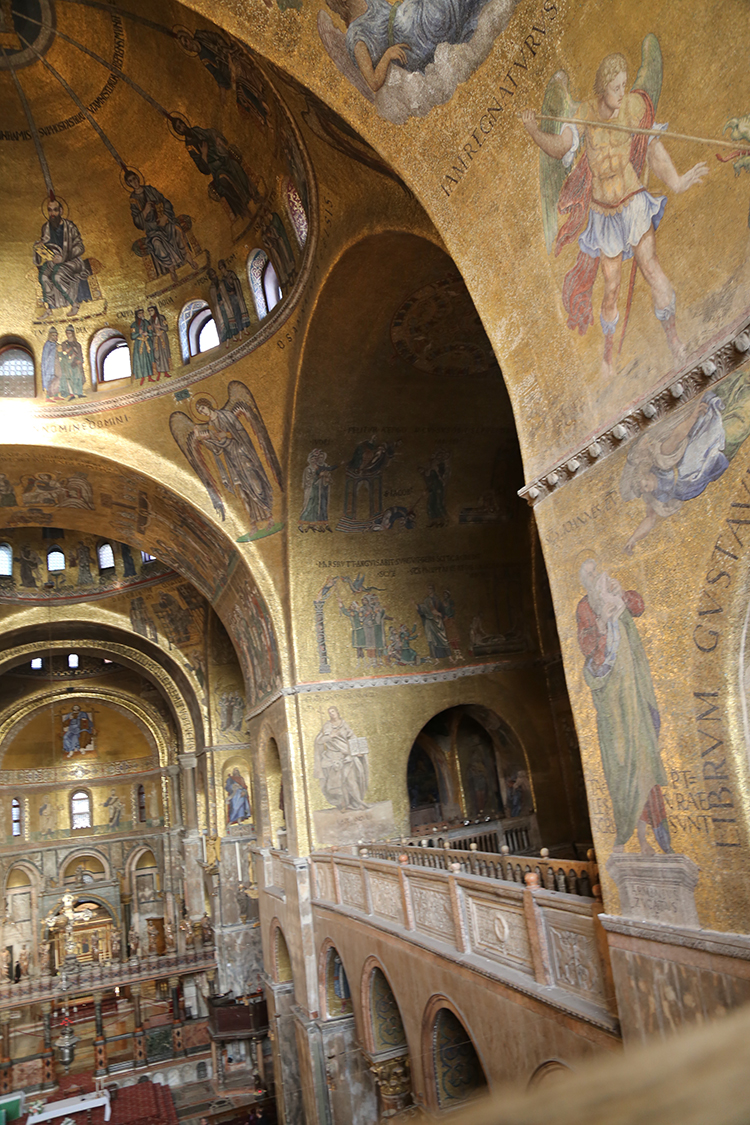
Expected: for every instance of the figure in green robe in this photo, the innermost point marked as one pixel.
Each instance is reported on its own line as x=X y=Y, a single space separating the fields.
x=627 y=716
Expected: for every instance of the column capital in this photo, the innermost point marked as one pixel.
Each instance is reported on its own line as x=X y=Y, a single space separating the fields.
x=188 y=761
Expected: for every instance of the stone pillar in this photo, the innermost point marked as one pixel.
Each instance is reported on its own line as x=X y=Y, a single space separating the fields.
x=178 y=1046
x=48 y=1057
x=287 y=1079
x=174 y=791
x=6 y=1063
x=188 y=764
x=100 y=1043
x=127 y=918
x=139 y=1035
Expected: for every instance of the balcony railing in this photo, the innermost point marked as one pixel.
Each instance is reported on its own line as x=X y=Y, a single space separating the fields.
x=569 y=876
x=105 y=976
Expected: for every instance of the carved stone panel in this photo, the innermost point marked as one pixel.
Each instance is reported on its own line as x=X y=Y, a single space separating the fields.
x=386 y=897
x=324 y=882
x=432 y=910
x=499 y=931
x=574 y=957
x=352 y=889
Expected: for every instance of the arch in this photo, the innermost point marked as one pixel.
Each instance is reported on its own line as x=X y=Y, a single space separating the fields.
x=84 y=863
x=549 y=1070
x=16 y=817
x=383 y=1025
x=271 y=286
x=109 y=357
x=454 y=1068
x=335 y=994
x=282 y=962
x=87 y=853
x=16 y=371
x=194 y=320
x=22 y=874
x=274 y=816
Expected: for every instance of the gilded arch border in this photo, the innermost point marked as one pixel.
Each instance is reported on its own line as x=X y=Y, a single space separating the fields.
x=437 y=1001
x=365 y=985
x=185 y=727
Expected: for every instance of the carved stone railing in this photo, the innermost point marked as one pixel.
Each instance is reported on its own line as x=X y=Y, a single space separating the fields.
x=568 y=876
x=547 y=944
x=105 y=976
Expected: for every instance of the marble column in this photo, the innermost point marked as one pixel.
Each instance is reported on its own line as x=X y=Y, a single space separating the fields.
x=178 y=1047
x=48 y=1057
x=139 y=1035
x=100 y=1043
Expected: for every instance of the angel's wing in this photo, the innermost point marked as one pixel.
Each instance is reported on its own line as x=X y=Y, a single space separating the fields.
x=188 y=436
x=552 y=173
x=242 y=404
x=334 y=42
x=651 y=71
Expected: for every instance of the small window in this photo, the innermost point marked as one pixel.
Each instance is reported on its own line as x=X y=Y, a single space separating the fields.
x=6 y=561
x=296 y=212
x=15 y=816
x=80 y=808
x=106 y=556
x=55 y=560
x=146 y=557
x=16 y=373
x=197 y=328
x=37 y=664
x=256 y=265
x=208 y=336
x=72 y=659
x=109 y=357
x=271 y=287
x=141 y=805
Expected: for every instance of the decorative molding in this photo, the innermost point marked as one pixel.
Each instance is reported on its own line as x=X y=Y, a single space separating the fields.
x=706 y=941
x=79 y=772
x=675 y=391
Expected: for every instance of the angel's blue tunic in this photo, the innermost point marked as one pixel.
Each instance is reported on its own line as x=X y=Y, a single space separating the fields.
x=423 y=24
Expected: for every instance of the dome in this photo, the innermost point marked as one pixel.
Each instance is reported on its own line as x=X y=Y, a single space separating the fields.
x=154 y=198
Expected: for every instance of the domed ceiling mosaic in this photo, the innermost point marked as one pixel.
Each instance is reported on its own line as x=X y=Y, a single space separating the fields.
x=145 y=164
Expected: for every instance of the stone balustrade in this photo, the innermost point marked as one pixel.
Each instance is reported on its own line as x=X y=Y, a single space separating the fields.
x=547 y=943
x=568 y=876
x=104 y=976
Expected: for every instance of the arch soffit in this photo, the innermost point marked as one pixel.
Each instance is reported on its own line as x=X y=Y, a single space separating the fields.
x=24 y=865
x=432 y=1007
x=371 y=964
x=328 y=945
x=274 y=931
x=200 y=549
x=147 y=716
x=137 y=854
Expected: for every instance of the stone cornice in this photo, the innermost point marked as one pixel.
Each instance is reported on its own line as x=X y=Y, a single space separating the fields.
x=673 y=393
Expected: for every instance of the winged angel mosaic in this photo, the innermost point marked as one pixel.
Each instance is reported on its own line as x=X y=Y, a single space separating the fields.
x=410 y=56
x=594 y=166
x=220 y=449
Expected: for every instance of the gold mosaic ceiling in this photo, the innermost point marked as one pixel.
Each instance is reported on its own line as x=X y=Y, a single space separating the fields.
x=143 y=157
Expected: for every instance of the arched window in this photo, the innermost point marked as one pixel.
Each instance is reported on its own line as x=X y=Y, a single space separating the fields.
x=6 y=560
x=271 y=287
x=16 y=372
x=282 y=960
x=55 y=560
x=15 y=816
x=80 y=809
x=197 y=329
x=106 y=556
x=147 y=557
x=73 y=660
x=296 y=212
x=141 y=798
x=256 y=265
x=109 y=357
x=37 y=663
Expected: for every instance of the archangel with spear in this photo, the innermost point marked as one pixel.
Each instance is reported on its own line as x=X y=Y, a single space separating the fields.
x=594 y=164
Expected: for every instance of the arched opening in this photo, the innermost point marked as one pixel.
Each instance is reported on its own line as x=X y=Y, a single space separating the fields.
x=84 y=869
x=276 y=816
x=467 y=777
x=197 y=330
x=458 y=1073
x=80 y=809
x=109 y=359
x=282 y=960
x=16 y=372
x=385 y=1016
x=338 y=998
